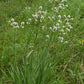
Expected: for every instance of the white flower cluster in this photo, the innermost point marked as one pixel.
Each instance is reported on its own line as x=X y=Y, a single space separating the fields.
x=60 y=6
x=37 y=17
x=40 y=15
x=62 y=26
x=13 y=23
x=60 y=23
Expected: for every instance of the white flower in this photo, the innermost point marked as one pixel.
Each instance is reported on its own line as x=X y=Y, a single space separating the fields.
x=29 y=19
x=63 y=26
x=44 y=12
x=59 y=16
x=68 y=29
x=53 y=17
x=67 y=23
x=66 y=42
x=50 y=28
x=60 y=7
x=22 y=26
x=61 y=41
x=39 y=12
x=71 y=18
x=42 y=17
x=40 y=7
x=56 y=9
x=61 y=38
x=66 y=5
x=71 y=27
x=59 y=21
x=62 y=30
x=65 y=16
x=66 y=19
x=61 y=4
x=54 y=28
x=49 y=17
x=16 y=26
x=12 y=19
x=15 y=23
x=22 y=23
x=64 y=0
x=43 y=27
x=57 y=24
x=68 y=16
x=47 y=36
x=34 y=16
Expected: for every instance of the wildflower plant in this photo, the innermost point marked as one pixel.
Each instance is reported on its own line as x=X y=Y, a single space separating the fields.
x=40 y=42
x=55 y=22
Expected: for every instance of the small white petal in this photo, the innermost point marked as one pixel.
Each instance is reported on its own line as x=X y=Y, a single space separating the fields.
x=12 y=19
x=22 y=26
x=22 y=23
x=40 y=7
x=59 y=16
x=43 y=27
x=66 y=42
x=47 y=36
x=61 y=30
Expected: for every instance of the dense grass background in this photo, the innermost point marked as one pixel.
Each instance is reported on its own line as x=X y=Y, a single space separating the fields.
x=27 y=57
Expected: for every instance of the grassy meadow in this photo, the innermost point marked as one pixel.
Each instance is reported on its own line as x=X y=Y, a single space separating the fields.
x=41 y=41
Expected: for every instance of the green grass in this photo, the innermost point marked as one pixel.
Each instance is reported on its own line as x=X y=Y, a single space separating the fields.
x=27 y=56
